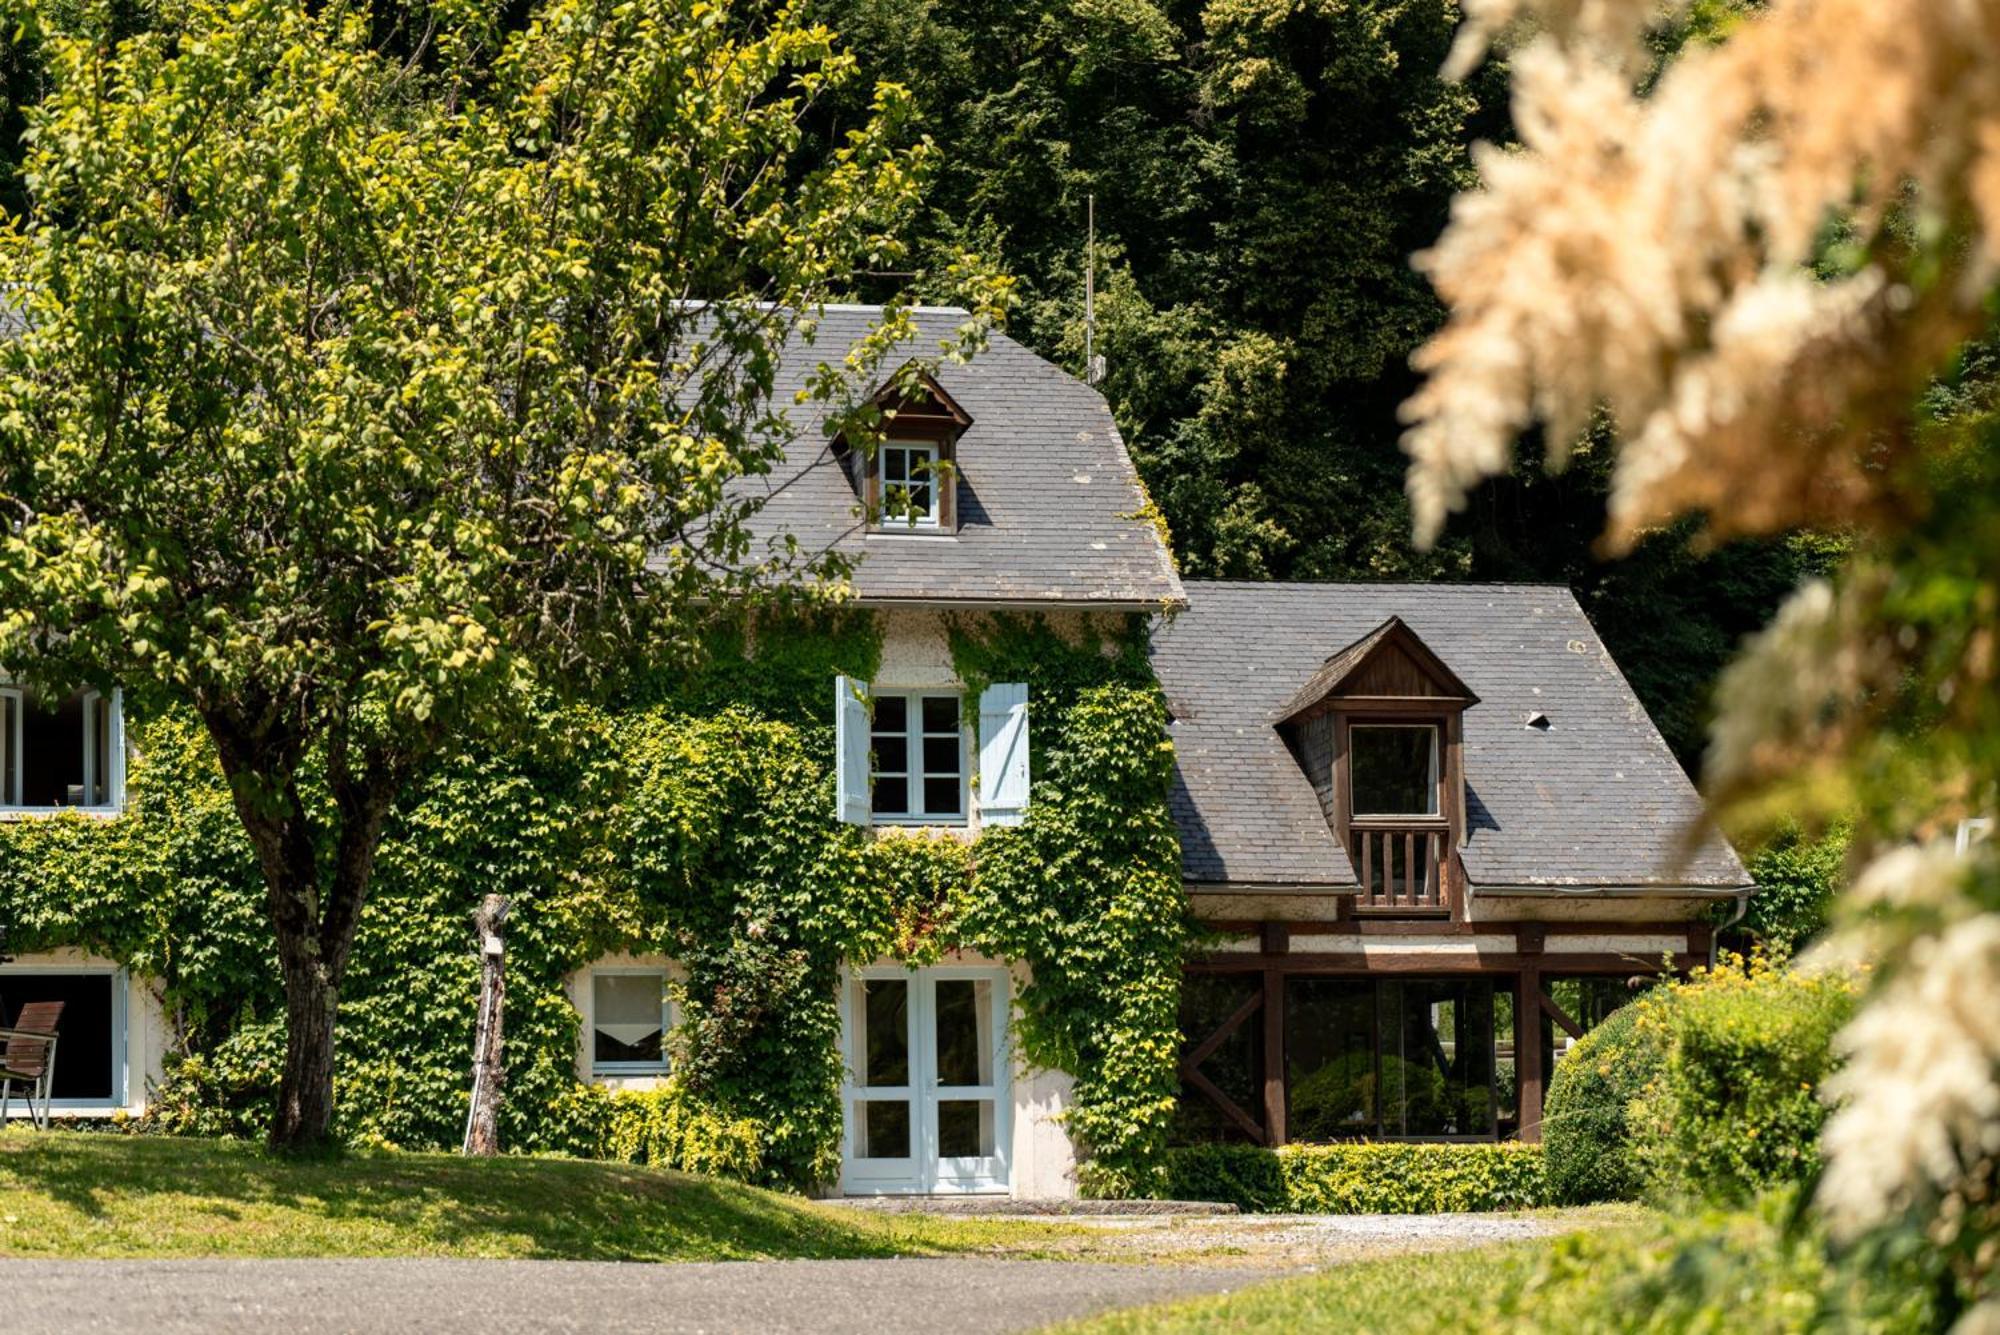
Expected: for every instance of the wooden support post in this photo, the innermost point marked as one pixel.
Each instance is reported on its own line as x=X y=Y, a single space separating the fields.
x=1528 y=1050
x=1277 y=941
x=482 y=1120
x=1274 y=1057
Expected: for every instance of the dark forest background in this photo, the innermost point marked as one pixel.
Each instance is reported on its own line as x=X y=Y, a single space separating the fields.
x=1263 y=171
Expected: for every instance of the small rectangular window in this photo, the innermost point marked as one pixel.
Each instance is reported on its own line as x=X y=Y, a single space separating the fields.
x=919 y=758
x=629 y=1018
x=1393 y=769
x=909 y=485
x=10 y=748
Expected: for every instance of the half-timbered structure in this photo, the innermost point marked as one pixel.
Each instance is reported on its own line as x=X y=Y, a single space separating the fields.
x=1436 y=837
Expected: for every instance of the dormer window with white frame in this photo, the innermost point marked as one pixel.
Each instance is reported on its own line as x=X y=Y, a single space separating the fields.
x=912 y=484
x=905 y=469
x=65 y=756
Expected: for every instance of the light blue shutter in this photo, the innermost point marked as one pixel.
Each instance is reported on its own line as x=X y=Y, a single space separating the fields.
x=850 y=745
x=1003 y=753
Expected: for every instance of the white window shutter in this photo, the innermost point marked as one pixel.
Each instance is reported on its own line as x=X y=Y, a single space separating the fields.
x=1003 y=753
x=851 y=745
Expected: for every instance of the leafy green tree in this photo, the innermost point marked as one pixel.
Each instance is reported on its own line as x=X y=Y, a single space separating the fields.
x=362 y=391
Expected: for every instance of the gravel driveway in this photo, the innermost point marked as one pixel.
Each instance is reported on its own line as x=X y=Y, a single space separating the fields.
x=1169 y=1258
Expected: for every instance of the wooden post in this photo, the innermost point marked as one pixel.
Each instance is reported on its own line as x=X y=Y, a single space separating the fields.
x=1528 y=1050
x=482 y=1121
x=1277 y=941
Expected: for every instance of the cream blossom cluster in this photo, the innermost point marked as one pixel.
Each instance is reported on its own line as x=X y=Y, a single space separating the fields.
x=1646 y=252
x=1918 y=1105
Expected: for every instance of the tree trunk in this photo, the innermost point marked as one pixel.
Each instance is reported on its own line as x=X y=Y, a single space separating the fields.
x=305 y=1095
x=482 y=1123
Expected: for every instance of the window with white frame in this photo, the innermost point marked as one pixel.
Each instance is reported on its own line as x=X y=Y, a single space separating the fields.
x=918 y=771
x=910 y=491
x=630 y=1013
x=58 y=752
x=90 y=1068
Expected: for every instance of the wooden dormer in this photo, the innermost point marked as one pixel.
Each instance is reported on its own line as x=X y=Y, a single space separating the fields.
x=912 y=453
x=1379 y=729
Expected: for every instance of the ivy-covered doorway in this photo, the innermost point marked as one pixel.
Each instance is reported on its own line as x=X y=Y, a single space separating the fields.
x=927 y=1096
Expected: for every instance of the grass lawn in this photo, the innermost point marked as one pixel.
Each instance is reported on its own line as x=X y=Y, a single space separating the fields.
x=100 y=1194
x=1713 y=1272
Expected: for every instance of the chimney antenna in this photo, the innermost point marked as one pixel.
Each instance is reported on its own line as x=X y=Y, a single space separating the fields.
x=1093 y=365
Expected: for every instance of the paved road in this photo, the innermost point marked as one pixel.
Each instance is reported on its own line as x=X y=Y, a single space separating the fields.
x=963 y=1297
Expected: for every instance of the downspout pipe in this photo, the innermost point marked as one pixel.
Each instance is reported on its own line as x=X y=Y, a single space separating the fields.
x=1736 y=916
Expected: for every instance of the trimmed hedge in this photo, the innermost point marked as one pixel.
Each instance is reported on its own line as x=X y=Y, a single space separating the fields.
x=1585 y=1137
x=1361 y=1177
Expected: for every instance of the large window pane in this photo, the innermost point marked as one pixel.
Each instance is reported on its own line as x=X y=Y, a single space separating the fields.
x=885 y=1036
x=1330 y=1072
x=1437 y=1057
x=882 y=1129
x=628 y=1019
x=1393 y=770
x=87 y=1044
x=964 y=1032
x=1236 y=1067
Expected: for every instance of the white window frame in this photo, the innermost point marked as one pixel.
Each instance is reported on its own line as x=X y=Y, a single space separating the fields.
x=115 y=752
x=1436 y=788
x=121 y=1035
x=16 y=702
x=911 y=452
x=664 y=1066
x=913 y=774
x=924 y=1172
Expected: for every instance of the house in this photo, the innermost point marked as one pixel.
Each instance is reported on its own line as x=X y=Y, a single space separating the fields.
x=1431 y=829
x=1437 y=836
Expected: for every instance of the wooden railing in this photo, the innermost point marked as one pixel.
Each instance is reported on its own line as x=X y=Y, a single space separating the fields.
x=1402 y=867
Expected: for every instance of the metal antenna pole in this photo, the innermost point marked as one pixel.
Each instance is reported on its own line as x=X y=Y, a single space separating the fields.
x=1092 y=370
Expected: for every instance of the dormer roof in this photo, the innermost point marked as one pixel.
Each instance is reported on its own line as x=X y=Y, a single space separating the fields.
x=1390 y=662
x=913 y=403
x=1049 y=510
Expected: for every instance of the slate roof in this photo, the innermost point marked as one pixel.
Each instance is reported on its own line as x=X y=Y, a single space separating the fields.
x=1048 y=500
x=1595 y=801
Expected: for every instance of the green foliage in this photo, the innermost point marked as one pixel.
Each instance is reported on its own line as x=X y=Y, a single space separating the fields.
x=1735 y=1109
x=1749 y=1273
x=1797 y=878
x=354 y=402
x=688 y=827
x=1586 y=1141
x=1361 y=1177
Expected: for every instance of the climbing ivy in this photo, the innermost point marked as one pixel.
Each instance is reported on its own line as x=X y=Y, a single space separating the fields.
x=698 y=823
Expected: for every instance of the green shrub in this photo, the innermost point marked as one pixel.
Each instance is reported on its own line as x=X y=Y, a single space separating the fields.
x=1584 y=1135
x=1735 y=1109
x=1361 y=1177
x=1246 y=1176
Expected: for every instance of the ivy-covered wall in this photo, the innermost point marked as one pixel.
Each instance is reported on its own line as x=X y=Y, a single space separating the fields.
x=696 y=823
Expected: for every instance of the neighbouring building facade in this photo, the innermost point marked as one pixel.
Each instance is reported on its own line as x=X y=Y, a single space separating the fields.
x=897 y=899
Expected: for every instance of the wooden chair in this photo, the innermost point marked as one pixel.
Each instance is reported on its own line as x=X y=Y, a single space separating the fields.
x=28 y=1056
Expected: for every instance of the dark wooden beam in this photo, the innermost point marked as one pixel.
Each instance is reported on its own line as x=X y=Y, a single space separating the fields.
x=1528 y=1051
x=1554 y=1010
x=1497 y=962
x=1206 y=1049
x=1224 y=1102
x=1274 y=1055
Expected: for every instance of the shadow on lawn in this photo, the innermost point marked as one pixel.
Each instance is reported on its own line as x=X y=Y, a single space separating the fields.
x=379 y=1204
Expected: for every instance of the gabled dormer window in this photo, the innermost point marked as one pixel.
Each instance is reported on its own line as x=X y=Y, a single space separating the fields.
x=1379 y=730
x=906 y=470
